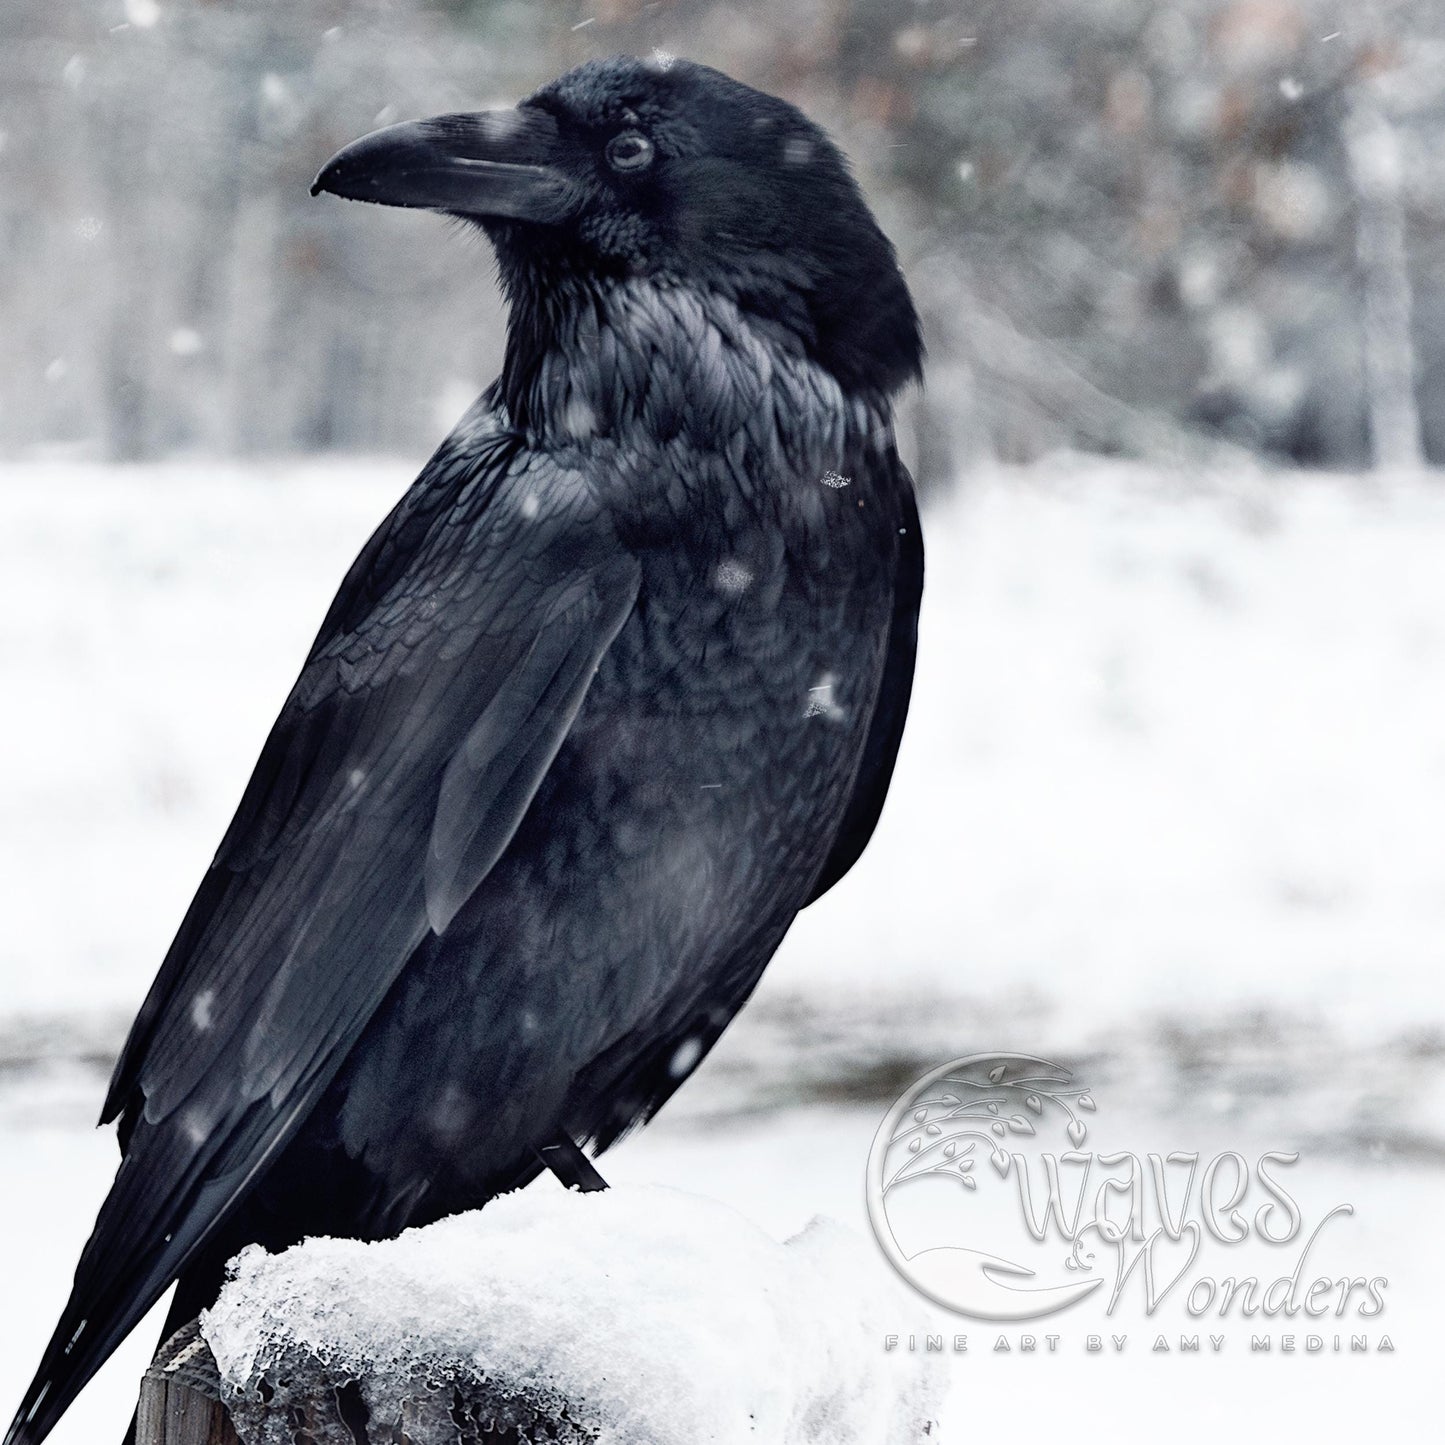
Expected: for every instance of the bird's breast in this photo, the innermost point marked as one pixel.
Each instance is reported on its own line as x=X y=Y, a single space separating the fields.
x=726 y=720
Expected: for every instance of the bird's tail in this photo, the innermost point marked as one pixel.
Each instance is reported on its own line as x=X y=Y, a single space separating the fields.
x=163 y=1216
x=114 y=1288
x=89 y=1331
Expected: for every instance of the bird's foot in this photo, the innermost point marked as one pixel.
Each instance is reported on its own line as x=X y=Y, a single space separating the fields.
x=571 y=1166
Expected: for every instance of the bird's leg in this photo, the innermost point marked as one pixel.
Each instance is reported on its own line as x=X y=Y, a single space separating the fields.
x=572 y=1167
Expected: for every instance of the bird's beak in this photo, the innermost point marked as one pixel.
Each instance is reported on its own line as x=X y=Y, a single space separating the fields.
x=484 y=164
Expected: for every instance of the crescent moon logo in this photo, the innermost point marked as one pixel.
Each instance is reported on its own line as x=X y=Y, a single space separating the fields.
x=934 y=1129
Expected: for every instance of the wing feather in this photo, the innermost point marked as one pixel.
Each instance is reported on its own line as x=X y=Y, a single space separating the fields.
x=890 y=711
x=435 y=698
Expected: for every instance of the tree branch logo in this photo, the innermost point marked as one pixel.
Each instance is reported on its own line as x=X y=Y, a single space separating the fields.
x=1017 y=1129
x=950 y=1120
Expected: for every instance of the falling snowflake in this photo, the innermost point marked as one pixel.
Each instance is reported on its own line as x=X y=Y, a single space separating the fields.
x=821 y=702
x=732 y=577
x=689 y=1051
x=579 y=420
x=201 y=1009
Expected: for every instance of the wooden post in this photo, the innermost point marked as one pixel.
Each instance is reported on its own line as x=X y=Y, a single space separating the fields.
x=180 y=1396
x=181 y=1404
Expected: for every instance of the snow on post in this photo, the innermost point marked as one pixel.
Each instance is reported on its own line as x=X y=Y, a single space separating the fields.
x=637 y=1315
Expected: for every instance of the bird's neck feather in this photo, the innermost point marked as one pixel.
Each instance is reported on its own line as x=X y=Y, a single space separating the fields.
x=650 y=361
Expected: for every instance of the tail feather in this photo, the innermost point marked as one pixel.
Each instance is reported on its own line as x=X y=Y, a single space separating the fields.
x=115 y=1287
x=165 y=1208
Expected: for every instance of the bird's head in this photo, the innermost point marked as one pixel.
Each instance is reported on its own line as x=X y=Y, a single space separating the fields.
x=666 y=169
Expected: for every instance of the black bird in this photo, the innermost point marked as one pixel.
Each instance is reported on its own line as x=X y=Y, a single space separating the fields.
x=613 y=692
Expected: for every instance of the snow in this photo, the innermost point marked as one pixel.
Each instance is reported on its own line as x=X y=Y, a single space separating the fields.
x=1174 y=751
x=143 y=14
x=650 y=1314
x=155 y=619
x=782 y=1168
x=1168 y=804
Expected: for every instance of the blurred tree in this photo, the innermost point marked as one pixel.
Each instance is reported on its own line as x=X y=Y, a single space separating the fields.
x=1132 y=225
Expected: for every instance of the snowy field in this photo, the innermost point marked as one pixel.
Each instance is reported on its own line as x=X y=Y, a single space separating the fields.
x=1169 y=811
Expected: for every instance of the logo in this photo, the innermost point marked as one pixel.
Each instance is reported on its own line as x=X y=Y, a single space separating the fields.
x=998 y=1150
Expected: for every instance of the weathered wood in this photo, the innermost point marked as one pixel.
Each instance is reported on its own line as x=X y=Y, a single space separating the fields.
x=180 y=1396
x=181 y=1404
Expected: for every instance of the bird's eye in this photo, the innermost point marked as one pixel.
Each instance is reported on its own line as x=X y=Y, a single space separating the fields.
x=629 y=151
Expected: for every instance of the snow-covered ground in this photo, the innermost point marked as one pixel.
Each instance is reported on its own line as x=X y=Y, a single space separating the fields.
x=783 y=1168
x=1168 y=809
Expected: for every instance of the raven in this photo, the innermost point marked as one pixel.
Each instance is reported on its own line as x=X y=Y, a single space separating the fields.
x=611 y=695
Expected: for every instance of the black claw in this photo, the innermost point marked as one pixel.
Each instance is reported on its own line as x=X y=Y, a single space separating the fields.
x=574 y=1170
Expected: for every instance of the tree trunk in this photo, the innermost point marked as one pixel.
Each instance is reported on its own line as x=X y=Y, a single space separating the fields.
x=1373 y=146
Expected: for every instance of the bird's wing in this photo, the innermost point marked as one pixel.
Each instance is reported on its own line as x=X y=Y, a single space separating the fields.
x=885 y=731
x=433 y=702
